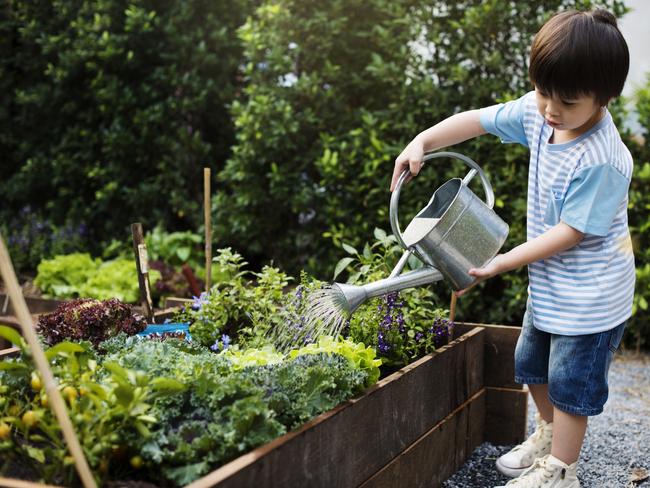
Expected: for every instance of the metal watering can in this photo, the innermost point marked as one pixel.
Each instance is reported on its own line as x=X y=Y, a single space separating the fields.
x=454 y=232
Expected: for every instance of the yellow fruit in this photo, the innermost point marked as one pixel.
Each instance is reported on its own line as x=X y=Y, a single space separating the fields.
x=44 y=401
x=5 y=431
x=29 y=418
x=136 y=462
x=13 y=410
x=70 y=393
x=36 y=382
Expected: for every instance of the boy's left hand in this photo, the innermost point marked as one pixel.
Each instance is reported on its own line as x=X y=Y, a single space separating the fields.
x=493 y=268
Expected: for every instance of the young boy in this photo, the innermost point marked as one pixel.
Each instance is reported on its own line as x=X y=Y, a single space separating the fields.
x=578 y=249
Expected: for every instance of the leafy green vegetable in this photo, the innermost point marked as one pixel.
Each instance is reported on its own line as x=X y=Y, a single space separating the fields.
x=79 y=275
x=359 y=356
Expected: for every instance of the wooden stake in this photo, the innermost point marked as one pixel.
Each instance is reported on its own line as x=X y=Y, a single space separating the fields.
x=56 y=401
x=142 y=265
x=191 y=279
x=207 y=213
x=452 y=306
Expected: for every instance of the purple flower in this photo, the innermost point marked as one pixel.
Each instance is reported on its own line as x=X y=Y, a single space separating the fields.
x=215 y=347
x=226 y=341
x=199 y=301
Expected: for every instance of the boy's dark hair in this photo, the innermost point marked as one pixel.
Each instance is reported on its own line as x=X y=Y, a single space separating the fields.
x=580 y=53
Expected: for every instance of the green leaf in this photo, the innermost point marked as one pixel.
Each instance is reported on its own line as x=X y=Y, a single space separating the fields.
x=183 y=253
x=117 y=370
x=36 y=454
x=348 y=248
x=380 y=234
x=341 y=265
x=11 y=335
x=367 y=252
x=66 y=347
x=188 y=473
x=147 y=418
x=6 y=366
x=124 y=394
x=167 y=385
x=142 y=429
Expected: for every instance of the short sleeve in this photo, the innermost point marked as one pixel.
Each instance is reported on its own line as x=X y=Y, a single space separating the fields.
x=506 y=120
x=593 y=198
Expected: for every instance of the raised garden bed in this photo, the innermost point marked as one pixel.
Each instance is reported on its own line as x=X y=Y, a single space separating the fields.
x=415 y=427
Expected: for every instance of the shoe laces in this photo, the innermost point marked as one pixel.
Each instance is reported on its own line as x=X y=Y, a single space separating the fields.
x=536 y=436
x=539 y=473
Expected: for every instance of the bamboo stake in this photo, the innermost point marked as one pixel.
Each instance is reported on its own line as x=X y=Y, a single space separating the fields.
x=142 y=266
x=452 y=306
x=56 y=401
x=207 y=214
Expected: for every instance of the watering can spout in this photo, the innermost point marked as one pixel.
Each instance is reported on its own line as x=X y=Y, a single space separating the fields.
x=350 y=297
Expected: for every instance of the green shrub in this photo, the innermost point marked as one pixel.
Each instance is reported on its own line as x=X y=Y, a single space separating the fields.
x=109 y=109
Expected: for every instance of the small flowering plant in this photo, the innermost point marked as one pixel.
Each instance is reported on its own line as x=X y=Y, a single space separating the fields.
x=241 y=306
x=398 y=333
x=402 y=326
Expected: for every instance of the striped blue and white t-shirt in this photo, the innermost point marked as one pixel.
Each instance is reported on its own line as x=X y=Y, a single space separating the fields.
x=583 y=183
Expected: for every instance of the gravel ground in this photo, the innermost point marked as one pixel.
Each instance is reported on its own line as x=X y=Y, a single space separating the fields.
x=616 y=452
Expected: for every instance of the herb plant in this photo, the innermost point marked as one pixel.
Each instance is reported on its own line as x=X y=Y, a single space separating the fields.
x=242 y=305
x=402 y=326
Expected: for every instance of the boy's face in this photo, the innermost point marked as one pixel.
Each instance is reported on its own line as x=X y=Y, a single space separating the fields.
x=576 y=115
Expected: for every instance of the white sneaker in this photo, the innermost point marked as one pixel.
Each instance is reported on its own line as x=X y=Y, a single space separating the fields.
x=547 y=472
x=522 y=457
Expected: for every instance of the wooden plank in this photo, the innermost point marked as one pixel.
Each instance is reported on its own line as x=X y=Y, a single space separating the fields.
x=9 y=352
x=170 y=302
x=142 y=267
x=36 y=305
x=166 y=313
x=207 y=224
x=439 y=453
x=364 y=434
x=500 y=343
x=506 y=415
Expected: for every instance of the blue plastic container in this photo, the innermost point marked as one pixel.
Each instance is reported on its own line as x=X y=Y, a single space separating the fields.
x=171 y=327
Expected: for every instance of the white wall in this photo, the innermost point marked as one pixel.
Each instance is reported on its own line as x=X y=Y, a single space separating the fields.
x=635 y=26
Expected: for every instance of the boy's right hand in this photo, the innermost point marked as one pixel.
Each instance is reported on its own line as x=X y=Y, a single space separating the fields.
x=410 y=158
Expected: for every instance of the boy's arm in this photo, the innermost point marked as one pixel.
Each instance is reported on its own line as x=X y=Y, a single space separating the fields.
x=555 y=240
x=453 y=130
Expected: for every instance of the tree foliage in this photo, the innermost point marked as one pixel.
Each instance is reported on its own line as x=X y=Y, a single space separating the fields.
x=110 y=108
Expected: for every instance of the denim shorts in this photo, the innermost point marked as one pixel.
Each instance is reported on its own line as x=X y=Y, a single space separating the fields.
x=574 y=367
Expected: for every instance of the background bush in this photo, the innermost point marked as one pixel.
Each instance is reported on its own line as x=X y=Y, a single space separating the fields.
x=111 y=107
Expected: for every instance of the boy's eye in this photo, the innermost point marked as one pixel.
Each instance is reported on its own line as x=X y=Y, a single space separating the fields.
x=568 y=103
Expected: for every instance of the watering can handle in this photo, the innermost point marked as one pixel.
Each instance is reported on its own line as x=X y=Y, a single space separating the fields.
x=475 y=168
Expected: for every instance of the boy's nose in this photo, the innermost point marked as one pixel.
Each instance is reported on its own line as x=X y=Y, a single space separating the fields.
x=552 y=110
x=552 y=113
